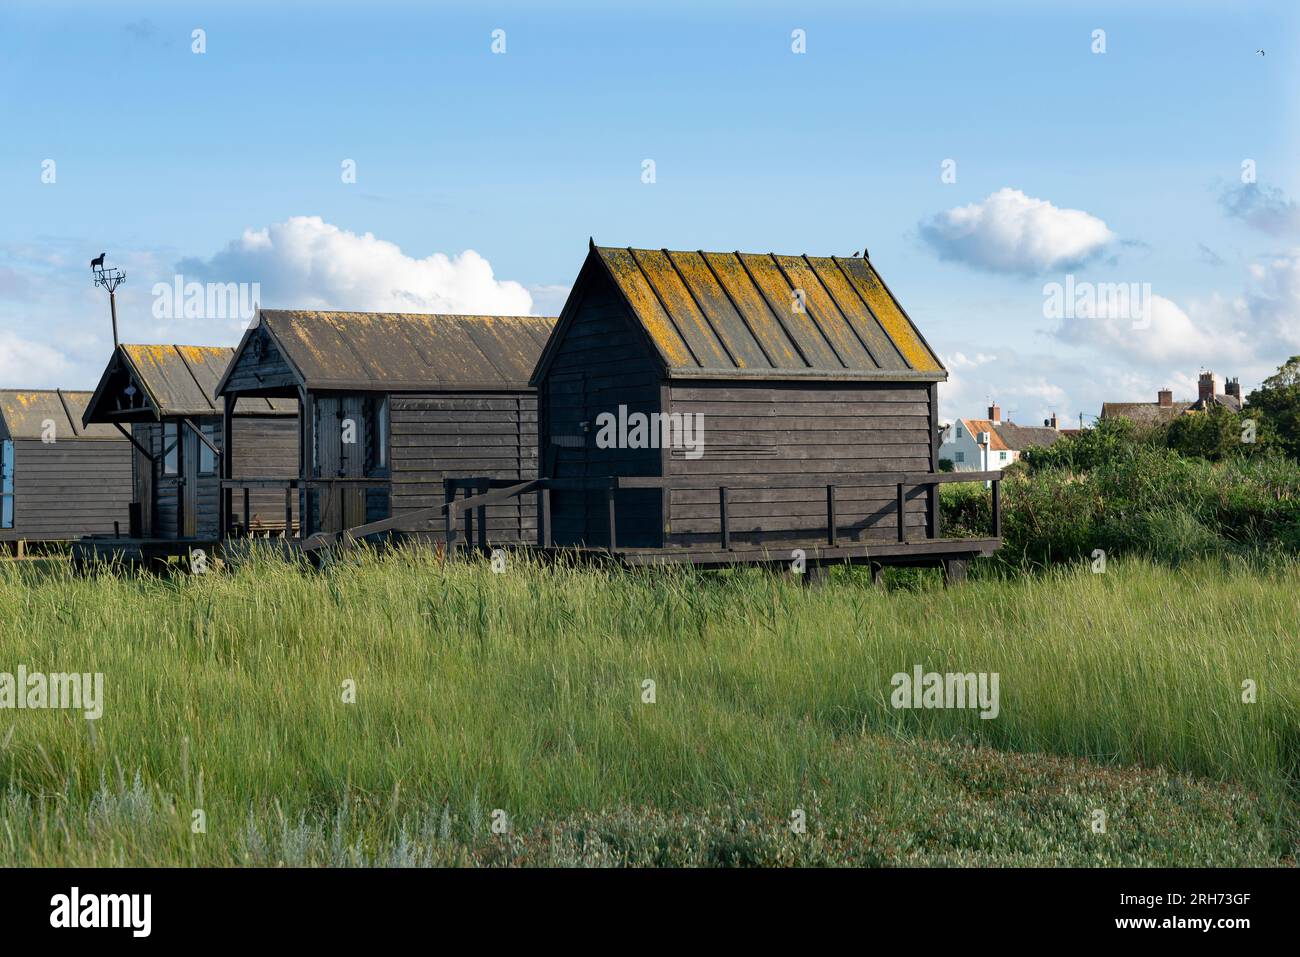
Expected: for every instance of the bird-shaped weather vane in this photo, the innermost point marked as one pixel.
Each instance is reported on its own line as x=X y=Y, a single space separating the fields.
x=110 y=279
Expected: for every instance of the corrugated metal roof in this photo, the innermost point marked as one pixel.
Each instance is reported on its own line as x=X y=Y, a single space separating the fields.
x=25 y=412
x=178 y=381
x=769 y=316
x=365 y=351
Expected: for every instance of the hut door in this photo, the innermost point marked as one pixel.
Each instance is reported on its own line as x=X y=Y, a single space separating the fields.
x=342 y=441
x=189 y=488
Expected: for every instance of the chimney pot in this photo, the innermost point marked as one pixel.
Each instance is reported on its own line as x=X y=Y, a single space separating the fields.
x=1165 y=398
x=1233 y=388
x=995 y=414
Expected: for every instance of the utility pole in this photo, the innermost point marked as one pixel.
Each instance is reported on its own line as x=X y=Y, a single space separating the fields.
x=110 y=279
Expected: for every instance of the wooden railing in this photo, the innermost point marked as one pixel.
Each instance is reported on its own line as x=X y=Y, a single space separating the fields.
x=479 y=493
x=290 y=486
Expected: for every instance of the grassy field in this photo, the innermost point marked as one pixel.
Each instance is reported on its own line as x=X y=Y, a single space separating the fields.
x=523 y=692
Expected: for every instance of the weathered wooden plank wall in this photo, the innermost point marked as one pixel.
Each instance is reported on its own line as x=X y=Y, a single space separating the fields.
x=601 y=364
x=265 y=447
x=458 y=435
x=68 y=489
x=795 y=439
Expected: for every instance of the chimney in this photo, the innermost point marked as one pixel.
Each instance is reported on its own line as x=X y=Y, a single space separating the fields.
x=1205 y=387
x=1233 y=388
x=995 y=414
x=1164 y=398
x=1051 y=423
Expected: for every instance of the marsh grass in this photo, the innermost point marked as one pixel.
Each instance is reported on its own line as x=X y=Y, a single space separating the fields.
x=523 y=692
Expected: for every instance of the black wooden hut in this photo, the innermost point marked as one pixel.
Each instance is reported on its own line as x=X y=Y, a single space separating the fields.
x=393 y=406
x=796 y=409
x=164 y=398
x=59 y=479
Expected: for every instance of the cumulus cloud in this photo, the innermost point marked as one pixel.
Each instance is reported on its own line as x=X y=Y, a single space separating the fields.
x=1029 y=388
x=1161 y=333
x=23 y=361
x=1265 y=208
x=307 y=263
x=1009 y=232
x=1272 y=303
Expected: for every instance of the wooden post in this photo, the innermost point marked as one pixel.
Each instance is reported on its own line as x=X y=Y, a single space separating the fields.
x=248 y=523
x=831 y=522
x=307 y=407
x=449 y=501
x=482 y=489
x=954 y=570
x=902 y=514
x=609 y=504
x=469 y=522
x=226 y=467
x=288 y=511
x=544 y=517
x=997 y=509
x=722 y=516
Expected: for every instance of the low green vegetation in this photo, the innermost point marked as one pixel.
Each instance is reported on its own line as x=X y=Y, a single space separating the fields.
x=1126 y=493
x=526 y=692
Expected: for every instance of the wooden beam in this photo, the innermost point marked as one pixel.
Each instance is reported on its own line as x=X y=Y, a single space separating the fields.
x=202 y=438
x=131 y=438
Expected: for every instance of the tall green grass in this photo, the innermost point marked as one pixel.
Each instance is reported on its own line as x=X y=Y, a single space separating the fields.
x=523 y=691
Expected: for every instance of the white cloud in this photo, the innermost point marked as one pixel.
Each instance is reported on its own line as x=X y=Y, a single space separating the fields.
x=23 y=361
x=1165 y=335
x=1010 y=232
x=307 y=263
x=1273 y=303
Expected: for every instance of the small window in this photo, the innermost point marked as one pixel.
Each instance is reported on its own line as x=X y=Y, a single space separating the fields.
x=961 y=456
x=171 y=449
x=959 y=435
x=1002 y=456
x=207 y=459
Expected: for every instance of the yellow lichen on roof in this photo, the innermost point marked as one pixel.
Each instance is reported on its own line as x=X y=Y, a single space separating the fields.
x=646 y=305
x=895 y=324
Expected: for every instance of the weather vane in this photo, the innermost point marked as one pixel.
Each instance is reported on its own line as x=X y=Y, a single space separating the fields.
x=110 y=279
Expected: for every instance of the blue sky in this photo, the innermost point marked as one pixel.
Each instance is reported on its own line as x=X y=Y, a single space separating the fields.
x=170 y=160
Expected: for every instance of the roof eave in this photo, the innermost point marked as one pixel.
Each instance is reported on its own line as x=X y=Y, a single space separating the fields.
x=844 y=375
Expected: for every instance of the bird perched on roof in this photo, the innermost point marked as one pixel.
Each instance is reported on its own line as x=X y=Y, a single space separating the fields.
x=98 y=261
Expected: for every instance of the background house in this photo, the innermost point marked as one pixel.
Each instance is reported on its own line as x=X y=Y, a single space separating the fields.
x=1165 y=409
x=979 y=445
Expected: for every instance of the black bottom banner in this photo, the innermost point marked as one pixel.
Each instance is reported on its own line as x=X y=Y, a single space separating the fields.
x=334 y=907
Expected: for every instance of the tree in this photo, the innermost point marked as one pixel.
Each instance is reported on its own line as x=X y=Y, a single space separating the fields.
x=1277 y=403
x=1214 y=434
